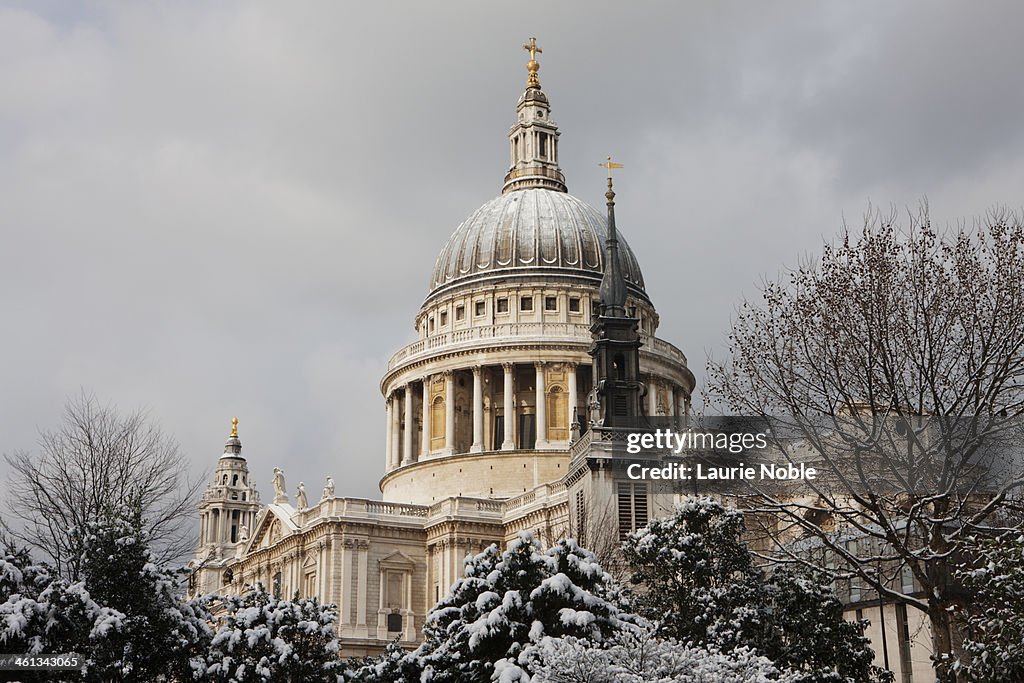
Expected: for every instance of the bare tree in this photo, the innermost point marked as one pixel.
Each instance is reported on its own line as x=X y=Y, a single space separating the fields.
x=98 y=457
x=896 y=363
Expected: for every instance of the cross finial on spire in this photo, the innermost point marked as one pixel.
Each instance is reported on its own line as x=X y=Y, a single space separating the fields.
x=532 y=66
x=234 y=427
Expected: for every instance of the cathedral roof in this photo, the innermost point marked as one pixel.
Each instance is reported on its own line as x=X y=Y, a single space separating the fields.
x=535 y=227
x=531 y=231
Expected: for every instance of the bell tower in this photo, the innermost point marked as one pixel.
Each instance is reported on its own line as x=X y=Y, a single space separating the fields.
x=229 y=506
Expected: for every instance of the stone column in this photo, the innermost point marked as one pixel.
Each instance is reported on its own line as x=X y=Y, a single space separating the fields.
x=407 y=441
x=425 y=447
x=670 y=403
x=478 y=410
x=652 y=397
x=509 y=443
x=542 y=408
x=570 y=376
x=449 y=412
x=387 y=433
x=396 y=431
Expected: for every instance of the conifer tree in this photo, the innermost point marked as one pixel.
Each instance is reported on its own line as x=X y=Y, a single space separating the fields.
x=699 y=585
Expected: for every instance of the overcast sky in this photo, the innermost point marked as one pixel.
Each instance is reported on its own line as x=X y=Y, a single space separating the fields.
x=217 y=209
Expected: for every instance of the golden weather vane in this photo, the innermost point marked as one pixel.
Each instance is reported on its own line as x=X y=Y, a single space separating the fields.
x=532 y=66
x=609 y=164
x=234 y=427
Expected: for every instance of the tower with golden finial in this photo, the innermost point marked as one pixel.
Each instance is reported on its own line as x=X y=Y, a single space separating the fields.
x=227 y=511
x=533 y=140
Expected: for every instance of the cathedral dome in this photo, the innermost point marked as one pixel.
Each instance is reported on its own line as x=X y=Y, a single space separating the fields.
x=531 y=231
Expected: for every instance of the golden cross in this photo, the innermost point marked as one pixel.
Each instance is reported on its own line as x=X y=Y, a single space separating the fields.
x=532 y=47
x=234 y=427
x=610 y=165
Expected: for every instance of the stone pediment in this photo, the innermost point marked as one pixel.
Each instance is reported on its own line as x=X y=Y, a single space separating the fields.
x=397 y=560
x=273 y=523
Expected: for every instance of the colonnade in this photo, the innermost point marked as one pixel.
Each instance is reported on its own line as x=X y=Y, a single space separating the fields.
x=402 y=448
x=464 y=411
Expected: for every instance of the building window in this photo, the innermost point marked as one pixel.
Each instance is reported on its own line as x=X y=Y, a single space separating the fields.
x=479 y=308
x=550 y=303
x=502 y=305
x=543 y=145
x=581 y=517
x=460 y=312
x=574 y=305
x=595 y=308
x=444 y=318
x=632 y=500
x=394 y=622
x=430 y=325
x=526 y=303
x=907 y=579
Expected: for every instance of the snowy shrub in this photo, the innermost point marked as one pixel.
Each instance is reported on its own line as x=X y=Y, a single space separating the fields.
x=262 y=638
x=506 y=602
x=993 y=624
x=638 y=656
x=698 y=583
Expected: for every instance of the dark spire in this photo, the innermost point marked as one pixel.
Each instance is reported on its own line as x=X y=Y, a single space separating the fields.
x=613 y=285
x=616 y=347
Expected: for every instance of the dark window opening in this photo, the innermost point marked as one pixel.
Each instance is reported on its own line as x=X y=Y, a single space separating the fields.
x=574 y=305
x=394 y=622
x=550 y=303
x=526 y=303
x=460 y=312
x=632 y=503
x=481 y=308
x=502 y=305
x=527 y=431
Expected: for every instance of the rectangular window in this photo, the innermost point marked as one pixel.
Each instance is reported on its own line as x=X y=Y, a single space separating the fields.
x=526 y=303
x=574 y=305
x=444 y=318
x=907 y=579
x=550 y=303
x=632 y=503
x=480 y=308
x=460 y=312
x=543 y=145
x=502 y=305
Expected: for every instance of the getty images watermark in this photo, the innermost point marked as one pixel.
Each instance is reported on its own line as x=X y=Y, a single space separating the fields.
x=722 y=452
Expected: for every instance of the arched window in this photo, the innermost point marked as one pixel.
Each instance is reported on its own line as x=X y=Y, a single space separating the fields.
x=437 y=423
x=558 y=414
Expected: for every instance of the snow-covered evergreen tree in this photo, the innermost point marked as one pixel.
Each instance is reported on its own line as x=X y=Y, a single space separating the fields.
x=43 y=614
x=123 y=617
x=263 y=639
x=149 y=633
x=506 y=602
x=994 y=623
x=699 y=584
